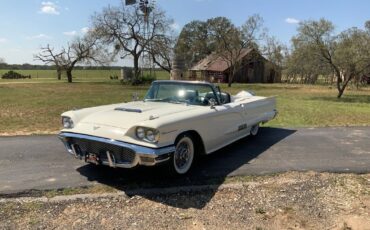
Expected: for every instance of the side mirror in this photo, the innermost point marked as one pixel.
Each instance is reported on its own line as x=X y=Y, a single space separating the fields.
x=212 y=103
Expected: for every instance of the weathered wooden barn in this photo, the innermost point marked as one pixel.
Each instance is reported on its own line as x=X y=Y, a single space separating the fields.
x=254 y=68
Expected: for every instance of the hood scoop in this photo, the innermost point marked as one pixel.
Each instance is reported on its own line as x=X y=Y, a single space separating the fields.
x=128 y=110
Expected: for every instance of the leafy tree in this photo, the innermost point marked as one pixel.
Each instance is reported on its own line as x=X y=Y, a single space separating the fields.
x=367 y=26
x=274 y=51
x=193 y=43
x=347 y=54
x=219 y=35
x=302 y=65
x=229 y=41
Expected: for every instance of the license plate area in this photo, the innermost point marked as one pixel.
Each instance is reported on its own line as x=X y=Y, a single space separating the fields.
x=92 y=158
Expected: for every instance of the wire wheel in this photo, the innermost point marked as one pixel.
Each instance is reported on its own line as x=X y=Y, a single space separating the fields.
x=254 y=129
x=183 y=156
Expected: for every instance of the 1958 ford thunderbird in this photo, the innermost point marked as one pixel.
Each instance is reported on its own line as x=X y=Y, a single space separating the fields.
x=176 y=121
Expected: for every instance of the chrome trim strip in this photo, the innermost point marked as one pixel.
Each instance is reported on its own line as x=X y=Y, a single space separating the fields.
x=128 y=110
x=140 y=151
x=111 y=162
x=137 y=148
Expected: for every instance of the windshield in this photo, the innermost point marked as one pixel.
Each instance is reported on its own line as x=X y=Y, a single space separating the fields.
x=193 y=94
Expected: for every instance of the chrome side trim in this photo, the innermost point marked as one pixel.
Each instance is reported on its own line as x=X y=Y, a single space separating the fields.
x=128 y=110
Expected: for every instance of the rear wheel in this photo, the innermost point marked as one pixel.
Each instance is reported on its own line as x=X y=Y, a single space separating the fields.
x=254 y=130
x=183 y=157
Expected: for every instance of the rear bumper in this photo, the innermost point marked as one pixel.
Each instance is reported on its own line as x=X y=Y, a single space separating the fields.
x=139 y=155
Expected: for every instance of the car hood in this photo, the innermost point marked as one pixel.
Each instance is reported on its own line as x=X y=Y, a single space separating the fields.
x=129 y=114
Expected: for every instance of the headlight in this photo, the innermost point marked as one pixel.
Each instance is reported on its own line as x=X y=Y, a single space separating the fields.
x=140 y=133
x=67 y=122
x=147 y=134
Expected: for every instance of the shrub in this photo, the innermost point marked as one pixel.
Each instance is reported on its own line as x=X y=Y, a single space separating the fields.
x=142 y=80
x=14 y=75
x=146 y=79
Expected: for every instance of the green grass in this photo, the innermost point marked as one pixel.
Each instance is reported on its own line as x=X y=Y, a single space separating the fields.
x=36 y=108
x=78 y=75
x=314 y=106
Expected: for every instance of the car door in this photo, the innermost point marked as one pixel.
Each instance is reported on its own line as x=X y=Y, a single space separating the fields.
x=226 y=124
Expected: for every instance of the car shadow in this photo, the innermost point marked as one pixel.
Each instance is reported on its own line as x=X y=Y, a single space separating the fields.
x=212 y=169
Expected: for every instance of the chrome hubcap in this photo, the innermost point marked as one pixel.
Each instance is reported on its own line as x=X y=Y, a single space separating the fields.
x=254 y=129
x=182 y=155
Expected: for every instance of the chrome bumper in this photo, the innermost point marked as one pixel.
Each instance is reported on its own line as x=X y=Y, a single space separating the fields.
x=143 y=155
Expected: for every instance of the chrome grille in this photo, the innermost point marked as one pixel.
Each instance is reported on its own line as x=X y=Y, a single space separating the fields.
x=121 y=155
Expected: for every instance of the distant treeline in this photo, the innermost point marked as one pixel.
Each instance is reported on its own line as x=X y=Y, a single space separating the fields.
x=48 y=67
x=51 y=67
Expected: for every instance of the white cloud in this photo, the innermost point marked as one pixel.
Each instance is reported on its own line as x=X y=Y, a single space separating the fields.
x=49 y=8
x=39 y=36
x=70 y=33
x=175 y=26
x=84 y=30
x=292 y=20
x=3 y=40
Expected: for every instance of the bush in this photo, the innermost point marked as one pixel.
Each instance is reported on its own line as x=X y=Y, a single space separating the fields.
x=142 y=80
x=146 y=79
x=14 y=75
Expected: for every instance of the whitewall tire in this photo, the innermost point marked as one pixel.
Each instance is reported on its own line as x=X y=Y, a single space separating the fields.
x=254 y=130
x=183 y=157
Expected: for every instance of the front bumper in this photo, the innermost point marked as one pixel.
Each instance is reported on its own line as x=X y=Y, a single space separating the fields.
x=111 y=152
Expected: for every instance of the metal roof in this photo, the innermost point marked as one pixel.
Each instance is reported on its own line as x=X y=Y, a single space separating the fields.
x=214 y=62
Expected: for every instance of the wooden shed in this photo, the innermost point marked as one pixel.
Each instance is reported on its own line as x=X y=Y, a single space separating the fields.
x=254 y=68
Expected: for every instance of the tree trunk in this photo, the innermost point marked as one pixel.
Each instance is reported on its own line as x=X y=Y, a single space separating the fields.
x=69 y=76
x=342 y=87
x=59 y=74
x=340 y=93
x=136 y=67
x=230 y=79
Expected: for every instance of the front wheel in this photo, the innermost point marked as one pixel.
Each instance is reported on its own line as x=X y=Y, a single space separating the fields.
x=183 y=157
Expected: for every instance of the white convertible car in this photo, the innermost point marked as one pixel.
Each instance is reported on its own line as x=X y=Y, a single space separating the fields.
x=176 y=121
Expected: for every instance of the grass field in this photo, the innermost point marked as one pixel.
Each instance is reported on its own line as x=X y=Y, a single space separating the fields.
x=35 y=108
x=78 y=75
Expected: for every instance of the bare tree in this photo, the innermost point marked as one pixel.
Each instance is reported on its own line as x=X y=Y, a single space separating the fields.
x=162 y=52
x=48 y=56
x=130 y=32
x=86 y=49
x=2 y=60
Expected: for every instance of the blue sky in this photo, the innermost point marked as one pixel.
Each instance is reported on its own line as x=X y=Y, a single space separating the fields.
x=26 y=25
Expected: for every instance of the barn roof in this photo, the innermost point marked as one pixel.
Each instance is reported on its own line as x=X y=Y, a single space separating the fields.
x=214 y=62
